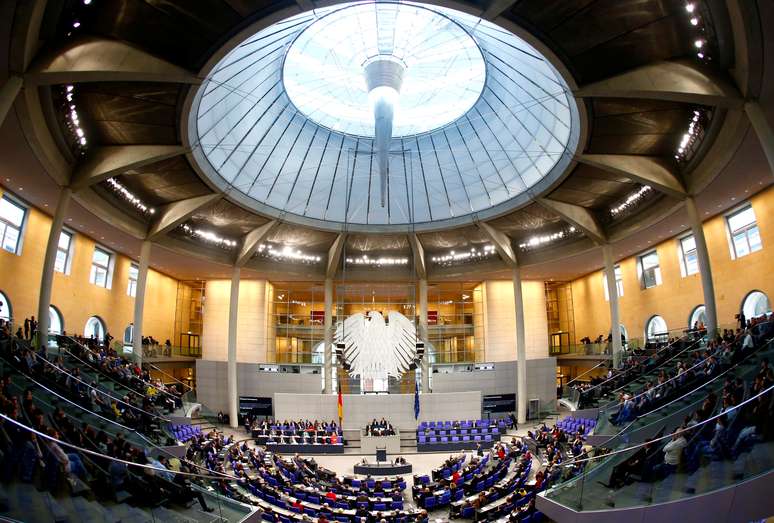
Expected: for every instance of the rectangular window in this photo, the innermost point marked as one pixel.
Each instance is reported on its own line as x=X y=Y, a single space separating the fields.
x=131 y=289
x=743 y=229
x=618 y=282
x=11 y=221
x=689 y=261
x=63 y=252
x=650 y=272
x=100 y=267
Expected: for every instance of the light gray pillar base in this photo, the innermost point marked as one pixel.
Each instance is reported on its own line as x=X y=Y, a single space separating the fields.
x=233 y=316
x=423 y=335
x=139 y=301
x=705 y=267
x=328 y=337
x=47 y=276
x=521 y=349
x=615 y=316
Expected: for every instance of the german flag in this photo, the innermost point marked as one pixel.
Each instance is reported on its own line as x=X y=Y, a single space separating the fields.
x=340 y=404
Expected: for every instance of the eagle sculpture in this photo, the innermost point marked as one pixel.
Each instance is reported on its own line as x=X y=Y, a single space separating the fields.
x=375 y=348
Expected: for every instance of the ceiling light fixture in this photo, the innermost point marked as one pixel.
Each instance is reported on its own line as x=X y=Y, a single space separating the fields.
x=454 y=257
x=378 y=262
x=285 y=252
x=543 y=239
x=129 y=196
x=72 y=119
x=208 y=236
x=631 y=200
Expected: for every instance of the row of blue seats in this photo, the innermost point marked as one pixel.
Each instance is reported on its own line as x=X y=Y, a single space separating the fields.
x=423 y=440
x=185 y=432
x=453 y=432
x=465 y=424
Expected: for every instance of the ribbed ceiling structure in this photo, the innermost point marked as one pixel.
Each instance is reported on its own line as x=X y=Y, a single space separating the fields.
x=282 y=122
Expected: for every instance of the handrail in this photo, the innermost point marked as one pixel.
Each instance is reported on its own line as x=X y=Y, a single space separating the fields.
x=614 y=402
x=101 y=391
x=733 y=367
x=165 y=374
x=678 y=431
x=113 y=422
x=667 y=346
x=690 y=347
x=99 y=371
x=109 y=377
x=584 y=373
x=218 y=476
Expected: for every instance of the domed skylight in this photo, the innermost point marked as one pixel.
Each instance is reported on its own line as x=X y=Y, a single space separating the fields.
x=472 y=118
x=324 y=68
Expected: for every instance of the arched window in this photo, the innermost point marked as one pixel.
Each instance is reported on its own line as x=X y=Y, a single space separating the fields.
x=756 y=304
x=129 y=334
x=698 y=316
x=55 y=321
x=656 y=329
x=6 y=313
x=624 y=333
x=95 y=327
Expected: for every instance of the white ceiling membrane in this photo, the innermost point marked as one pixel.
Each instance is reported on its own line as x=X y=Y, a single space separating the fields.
x=284 y=122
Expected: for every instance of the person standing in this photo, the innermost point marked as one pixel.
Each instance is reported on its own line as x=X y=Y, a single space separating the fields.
x=26 y=328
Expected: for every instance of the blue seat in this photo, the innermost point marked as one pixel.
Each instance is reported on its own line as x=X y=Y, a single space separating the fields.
x=396 y=505
x=430 y=502
x=467 y=512
x=362 y=505
x=380 y=506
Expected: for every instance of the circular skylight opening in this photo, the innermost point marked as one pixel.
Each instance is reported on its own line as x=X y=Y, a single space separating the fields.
x=444 y=71
x=383 y=116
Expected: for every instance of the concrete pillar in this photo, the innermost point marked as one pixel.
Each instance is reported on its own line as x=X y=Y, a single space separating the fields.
x=705 y=269
x=763 y=130
x=328 y=337
x=8 y=94
x=423 y=334
x=521 y=349
x=615 y=315
x=233 y=315
x=47 y=276
x=139 y=300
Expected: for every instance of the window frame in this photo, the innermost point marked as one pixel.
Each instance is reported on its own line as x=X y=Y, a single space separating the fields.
x=108 y=268
x=4 y=224
x=683 y=255
x=131 y=286
x=68 y=261
x=641 y=270
x=618 y=272
x=746 y=229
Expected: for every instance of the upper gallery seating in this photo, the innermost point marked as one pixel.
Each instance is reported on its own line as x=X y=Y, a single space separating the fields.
x=714 y=434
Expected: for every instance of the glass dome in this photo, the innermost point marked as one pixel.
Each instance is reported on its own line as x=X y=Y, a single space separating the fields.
x=283 y=122
x=444 y=68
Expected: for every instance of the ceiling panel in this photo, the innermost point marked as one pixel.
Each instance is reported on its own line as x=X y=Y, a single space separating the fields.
x=227 y=219
x=165 y=181
x=119 y=113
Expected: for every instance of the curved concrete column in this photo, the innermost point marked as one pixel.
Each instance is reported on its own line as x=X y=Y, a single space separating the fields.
x=328 y=337
x=422 y=334
x=139 y=300
x=705 y=269
x=233 y=315
x=8 y=94
x=521 y=348
x=47 y=276
x=615 y=316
